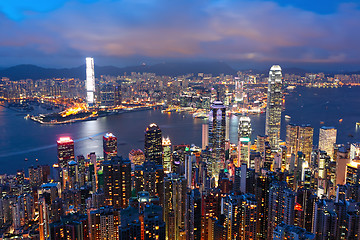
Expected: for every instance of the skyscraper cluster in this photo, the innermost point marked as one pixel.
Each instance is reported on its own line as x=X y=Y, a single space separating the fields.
x=257 y=188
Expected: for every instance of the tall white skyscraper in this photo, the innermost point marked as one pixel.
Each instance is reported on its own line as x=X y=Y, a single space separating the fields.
x=274 y=106
x=327 y=139
x=90 y=82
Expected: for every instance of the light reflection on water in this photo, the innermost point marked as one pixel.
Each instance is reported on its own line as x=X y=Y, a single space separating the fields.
x=20 y=139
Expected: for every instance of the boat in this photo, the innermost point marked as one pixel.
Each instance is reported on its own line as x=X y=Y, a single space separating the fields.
x=358 y=124
x=287 y=117
x=340 y=120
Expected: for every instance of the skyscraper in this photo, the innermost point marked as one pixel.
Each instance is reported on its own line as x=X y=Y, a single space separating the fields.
x=281 y=206
x=244 y=133
x=217 y=122
x=65 y=147
x=153 y=144
x=205 y=136
x=239 y=86
x=90 y=82
x=167 y=154
x=299 y=138
x=274 y=106
x=305 y=140
x=327 y=139
x=117 y=182
x=109 y=146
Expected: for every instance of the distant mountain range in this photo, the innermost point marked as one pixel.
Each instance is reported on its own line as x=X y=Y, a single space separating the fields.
x=28 y=71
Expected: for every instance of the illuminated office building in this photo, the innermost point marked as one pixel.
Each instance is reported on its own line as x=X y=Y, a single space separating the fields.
x=65 y=147
x=327 y=139
x=354 y=151
x=274 y=106
x=73 y=174
x=217 y=126
x=291 y=138
x=167 y=154
x=104 y=223
x=117 y=182
x=239 y=89
x=305 y=140
x=244 y=134
x=90 y=82
x=117 y=95
x=107 y=95
x=109 y=146
x=299 y=138
x=353 y=173
x=174 y=205
x=153 y=144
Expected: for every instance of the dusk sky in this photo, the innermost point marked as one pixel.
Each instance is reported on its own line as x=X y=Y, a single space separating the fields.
x=244 y=33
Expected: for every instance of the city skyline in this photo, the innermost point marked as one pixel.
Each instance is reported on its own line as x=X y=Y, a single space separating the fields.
x=245 y=34
x=143 y=152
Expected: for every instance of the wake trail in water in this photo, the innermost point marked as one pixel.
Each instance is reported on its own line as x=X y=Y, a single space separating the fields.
x=46 y=147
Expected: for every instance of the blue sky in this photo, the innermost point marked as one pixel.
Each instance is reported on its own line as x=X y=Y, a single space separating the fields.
x=61 y=33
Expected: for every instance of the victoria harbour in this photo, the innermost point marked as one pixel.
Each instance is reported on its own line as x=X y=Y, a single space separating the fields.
x=24 y=139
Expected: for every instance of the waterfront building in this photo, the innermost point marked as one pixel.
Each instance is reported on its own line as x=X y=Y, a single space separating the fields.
x=117 y=95
x=153 y=144
x=327 y=139
x=217 y=128
x=65 y=149
x=107 y=95
x=274 y=106
x=90 y=82
x=244 y=134
x=109 y=146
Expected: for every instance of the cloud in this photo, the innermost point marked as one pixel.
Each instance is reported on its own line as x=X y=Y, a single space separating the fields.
x=204 y=29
